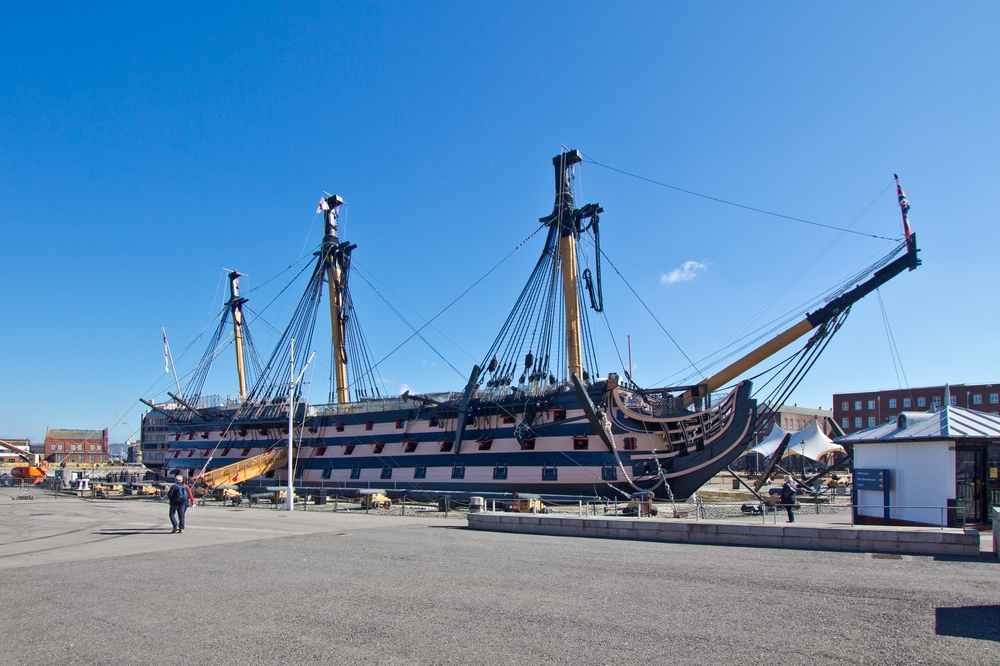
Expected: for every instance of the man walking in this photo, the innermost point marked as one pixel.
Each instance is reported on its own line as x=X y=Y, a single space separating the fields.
x=180 y=497
x=788 y=493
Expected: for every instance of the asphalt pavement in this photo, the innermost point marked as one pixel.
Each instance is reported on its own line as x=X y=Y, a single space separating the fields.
x=104 y=582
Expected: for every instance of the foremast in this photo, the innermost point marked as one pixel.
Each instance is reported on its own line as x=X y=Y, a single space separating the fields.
x=235 y=305
x=569 y=221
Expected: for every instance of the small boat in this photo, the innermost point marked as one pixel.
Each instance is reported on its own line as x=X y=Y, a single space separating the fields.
x=536 y=415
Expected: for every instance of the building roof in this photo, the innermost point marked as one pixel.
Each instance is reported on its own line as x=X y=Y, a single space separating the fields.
x=69 y=433
x=946 y=422
x=804 y=411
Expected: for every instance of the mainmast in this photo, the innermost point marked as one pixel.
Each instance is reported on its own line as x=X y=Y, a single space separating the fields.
x=235 y=305
x=568 y=220
x=338 y=260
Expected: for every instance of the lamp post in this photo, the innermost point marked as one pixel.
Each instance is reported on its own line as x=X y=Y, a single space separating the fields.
x=292 y=382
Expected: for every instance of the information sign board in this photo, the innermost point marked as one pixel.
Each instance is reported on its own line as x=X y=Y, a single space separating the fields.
x=871 y=479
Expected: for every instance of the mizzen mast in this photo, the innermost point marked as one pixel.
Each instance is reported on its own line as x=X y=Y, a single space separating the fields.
x=338 y=260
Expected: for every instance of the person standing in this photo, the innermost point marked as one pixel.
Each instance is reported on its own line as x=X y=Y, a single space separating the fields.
x=788 y=493
x=180 y=497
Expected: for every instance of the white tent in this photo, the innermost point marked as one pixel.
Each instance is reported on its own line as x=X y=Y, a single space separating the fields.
x=811 y=443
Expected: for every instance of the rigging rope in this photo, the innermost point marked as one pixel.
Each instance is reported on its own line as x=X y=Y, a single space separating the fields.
x=737 y=205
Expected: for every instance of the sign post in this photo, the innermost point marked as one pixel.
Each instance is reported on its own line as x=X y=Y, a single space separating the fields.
x=872 y=479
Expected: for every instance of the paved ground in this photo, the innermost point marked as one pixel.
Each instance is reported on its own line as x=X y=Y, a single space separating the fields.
x=86 y=582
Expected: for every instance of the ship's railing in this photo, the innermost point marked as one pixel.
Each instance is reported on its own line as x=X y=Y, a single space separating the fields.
x=382 y=404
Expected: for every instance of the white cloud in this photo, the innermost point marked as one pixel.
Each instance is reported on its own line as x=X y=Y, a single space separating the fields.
x=403 y=388
x=688 y=271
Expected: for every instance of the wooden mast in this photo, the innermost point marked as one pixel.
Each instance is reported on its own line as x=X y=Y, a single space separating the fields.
x=337 y=259
x=566 y=218
x=236 y=306
x=567 y=256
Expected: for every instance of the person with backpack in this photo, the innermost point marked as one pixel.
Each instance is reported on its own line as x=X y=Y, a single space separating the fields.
x=788 y=493
x=180 y=498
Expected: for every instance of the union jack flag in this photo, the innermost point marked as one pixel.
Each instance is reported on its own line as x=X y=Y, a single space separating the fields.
x=904 y=206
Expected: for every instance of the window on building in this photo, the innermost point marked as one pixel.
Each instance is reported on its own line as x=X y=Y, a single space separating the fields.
x=500 y=473
x=348 y=450
x=558 y=414
x=485 y=444
x=857 y=405
x=857 y=421
x=871 y=421
x=508 y=419
x=528 y=443
x=432 y=422
x=420 y=472
x=994 y=398
x=400 y=423
x=409 y=447
x=891 y=419
x=320 y=450
x=953 y=400
x=340 y=427
x=937 y=401
x=446 y=446
x=892 y=403
x=580 y=444
x=458 y=472
x=921 y=402
x=630 y=443
x=844 y=406
x=356 y=472
x=844 y=423
x=378 y=446
x=609 y=473
x=871 y=404
x=386 y=473
x=327 y=471
x=977 y=399
x=550 y=473
x=369 y=425
x=906 y=403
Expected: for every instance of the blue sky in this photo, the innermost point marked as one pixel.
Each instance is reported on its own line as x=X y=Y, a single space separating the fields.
x=144 y=149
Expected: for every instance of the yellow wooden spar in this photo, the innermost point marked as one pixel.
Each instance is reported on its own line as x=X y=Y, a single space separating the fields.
x=246 y=469
x=836 y=306
x=567 y=252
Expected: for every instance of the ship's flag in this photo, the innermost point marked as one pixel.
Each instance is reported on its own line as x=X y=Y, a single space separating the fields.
x=323 y=205
x=904 y=206
x=166 y=353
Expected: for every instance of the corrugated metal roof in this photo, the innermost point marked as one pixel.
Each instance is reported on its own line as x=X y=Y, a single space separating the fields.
x=946 y=423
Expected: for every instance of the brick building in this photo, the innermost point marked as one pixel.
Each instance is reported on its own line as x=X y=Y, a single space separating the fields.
x=867 y=409
x=76 y=446
x=792 y=418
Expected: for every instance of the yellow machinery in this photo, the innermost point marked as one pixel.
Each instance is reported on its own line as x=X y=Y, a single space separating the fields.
x=375 y=501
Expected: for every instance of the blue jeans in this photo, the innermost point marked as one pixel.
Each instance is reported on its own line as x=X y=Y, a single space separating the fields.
x=180 y=510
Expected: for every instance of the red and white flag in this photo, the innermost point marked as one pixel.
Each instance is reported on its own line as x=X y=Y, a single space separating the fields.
x=323 y=205
x=904 y=206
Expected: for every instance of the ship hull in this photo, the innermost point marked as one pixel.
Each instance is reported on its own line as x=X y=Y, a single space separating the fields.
x=541 y=445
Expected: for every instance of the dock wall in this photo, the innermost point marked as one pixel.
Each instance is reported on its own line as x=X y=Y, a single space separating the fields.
x=813 y=537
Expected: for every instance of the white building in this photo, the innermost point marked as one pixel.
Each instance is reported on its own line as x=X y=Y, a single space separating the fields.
x=949 y=456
